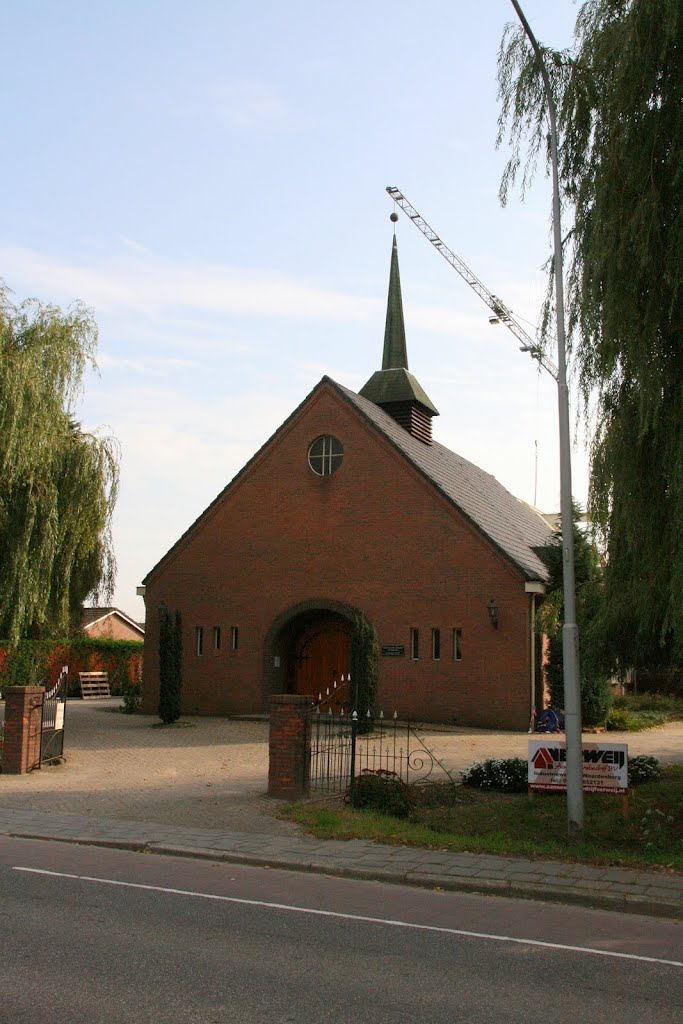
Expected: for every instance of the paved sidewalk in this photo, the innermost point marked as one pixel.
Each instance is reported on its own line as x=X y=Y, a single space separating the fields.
x=612 y=888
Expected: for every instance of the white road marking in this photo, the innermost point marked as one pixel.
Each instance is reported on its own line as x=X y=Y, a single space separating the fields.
x=352 y=917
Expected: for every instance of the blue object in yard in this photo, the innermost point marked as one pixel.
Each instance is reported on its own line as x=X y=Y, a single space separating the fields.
x=550 y=720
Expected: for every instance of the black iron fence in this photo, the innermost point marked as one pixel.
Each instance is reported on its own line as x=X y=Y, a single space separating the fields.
x=342 y=748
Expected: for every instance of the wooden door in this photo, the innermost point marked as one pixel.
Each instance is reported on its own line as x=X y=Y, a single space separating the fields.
x=323 y=655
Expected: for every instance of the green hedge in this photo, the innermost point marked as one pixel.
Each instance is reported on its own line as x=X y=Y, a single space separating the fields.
x=34 y=662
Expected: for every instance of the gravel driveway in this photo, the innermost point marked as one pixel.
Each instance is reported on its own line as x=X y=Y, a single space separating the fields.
x=213 y=772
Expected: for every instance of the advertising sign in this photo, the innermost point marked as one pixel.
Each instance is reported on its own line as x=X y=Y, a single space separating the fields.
x=605 y=766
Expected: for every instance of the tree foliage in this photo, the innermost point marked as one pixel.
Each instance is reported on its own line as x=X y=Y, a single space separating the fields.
x=595 y=688
x=618 y=96
x=58 y=485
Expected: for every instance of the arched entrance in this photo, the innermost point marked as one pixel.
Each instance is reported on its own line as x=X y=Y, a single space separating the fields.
x=308 y=648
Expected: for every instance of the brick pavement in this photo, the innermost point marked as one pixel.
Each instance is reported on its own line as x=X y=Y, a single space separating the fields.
x=209 y=773
x=199 y=790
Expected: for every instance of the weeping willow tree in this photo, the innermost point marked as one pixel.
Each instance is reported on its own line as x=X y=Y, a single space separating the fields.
x=618 y=95
x=58 y=485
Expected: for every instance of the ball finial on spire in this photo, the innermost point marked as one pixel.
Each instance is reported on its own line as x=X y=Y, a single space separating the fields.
x=393 y=217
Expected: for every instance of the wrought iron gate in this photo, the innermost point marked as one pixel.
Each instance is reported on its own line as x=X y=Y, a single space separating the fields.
x=52 y=722
x=343 y=748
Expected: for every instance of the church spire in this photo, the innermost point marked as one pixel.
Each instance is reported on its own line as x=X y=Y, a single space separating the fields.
x=395 y=351
x=393 y=388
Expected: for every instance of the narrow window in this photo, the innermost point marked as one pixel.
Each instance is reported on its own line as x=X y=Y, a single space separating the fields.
x=199 y=640
x=436 y=644
x=457 y=645
x=234 y=637
x=414 y=643
x=216 y=638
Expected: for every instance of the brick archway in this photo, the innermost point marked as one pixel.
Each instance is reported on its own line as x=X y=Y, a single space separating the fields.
x=317 y=634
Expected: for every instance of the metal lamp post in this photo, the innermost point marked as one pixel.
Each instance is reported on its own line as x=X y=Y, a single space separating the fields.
x=570 y=632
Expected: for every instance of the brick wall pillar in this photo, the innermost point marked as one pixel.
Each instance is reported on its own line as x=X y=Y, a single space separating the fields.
x=289 y=748
x=23 y=714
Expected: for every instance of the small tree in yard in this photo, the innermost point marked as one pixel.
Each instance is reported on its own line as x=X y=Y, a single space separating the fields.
x=170 y=661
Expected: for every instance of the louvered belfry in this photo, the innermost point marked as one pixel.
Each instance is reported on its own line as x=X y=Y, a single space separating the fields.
x=394 y=388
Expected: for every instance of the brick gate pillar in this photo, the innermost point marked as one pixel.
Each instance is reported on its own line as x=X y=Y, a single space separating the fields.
x=289 y=746
x=23 y=716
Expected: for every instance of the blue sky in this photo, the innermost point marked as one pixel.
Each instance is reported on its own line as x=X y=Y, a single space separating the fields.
x=210 y=179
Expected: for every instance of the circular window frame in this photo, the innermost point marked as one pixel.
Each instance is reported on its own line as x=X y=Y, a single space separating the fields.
x=328 y=456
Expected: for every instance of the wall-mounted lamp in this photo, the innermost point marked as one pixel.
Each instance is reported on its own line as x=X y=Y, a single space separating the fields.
x=493 y=612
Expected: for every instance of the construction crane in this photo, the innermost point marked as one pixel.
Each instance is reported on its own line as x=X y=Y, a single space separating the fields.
x=501 y=313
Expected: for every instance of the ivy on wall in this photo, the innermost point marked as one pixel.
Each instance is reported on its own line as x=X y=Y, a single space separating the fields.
x=364 y=667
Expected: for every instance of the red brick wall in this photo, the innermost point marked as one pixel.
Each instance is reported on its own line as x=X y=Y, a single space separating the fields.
x=373 y=536
x=289 y=746
x=23 y=717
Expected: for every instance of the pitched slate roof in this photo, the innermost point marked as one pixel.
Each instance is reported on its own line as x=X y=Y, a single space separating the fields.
x=514 y=527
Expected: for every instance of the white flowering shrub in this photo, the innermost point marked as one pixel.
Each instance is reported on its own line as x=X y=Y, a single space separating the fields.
x=656 y=829
x=643 y=768
x=506 y=774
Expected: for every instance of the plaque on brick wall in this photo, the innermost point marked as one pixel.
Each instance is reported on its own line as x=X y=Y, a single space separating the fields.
x=393 y=651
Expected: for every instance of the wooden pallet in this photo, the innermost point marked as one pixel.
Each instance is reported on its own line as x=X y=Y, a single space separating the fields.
x=94 y=684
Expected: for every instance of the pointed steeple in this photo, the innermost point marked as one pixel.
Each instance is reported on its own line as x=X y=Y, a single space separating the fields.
x=393 y=387
x=395 y=353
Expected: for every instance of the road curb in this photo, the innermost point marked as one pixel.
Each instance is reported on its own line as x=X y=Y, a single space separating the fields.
x=632 y=903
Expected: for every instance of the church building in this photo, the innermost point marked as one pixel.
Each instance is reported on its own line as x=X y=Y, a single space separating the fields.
x=352 y=507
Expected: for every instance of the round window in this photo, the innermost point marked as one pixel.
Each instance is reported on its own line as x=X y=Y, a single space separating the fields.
x=325 y=455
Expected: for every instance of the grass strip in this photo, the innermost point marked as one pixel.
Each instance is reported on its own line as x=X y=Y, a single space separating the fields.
x=478 y=821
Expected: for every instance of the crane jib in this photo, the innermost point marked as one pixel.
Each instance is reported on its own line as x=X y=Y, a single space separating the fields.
x=535 y=348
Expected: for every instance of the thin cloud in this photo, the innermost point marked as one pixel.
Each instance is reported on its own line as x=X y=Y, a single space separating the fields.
x=150 y=287
x=242 y=103
x=130 y=244
x=105 y=361
x=157 y=289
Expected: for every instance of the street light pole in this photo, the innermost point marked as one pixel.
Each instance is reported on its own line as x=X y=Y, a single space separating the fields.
x=570 y=631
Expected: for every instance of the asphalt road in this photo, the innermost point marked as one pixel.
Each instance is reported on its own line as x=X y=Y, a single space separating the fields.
x=104 y=936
